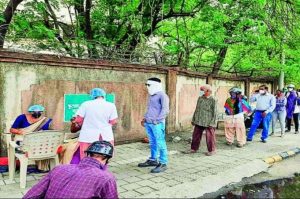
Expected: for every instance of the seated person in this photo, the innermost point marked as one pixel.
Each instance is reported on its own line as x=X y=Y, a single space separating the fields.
x=31 y=122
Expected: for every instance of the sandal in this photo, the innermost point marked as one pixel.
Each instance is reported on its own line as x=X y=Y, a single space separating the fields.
x=189 y=152
x=229 y=143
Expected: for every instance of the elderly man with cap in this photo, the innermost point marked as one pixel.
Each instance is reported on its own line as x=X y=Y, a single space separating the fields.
x=154 y=123
x=235 y=107
x=96 y=118
x=205 y=118
x=89 y=179
x=292 y=109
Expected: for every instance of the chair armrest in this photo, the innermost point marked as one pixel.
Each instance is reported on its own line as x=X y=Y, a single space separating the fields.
x=71 y=136
x=8 y=138
x=13 y=144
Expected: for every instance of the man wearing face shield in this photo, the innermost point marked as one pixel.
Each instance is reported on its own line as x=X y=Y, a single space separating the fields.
x=154 y=123
x=292 y=108
x=235 y=107
x=31 y=122
x=265 y=105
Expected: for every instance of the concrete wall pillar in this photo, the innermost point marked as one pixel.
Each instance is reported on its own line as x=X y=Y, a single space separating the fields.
x=209 y=80
x=247 y=88
x=281 y=80
x=275 y=86
x=171 y=91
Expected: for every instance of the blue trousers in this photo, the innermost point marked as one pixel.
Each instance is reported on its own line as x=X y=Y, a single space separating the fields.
x=255 y=123
x=157 y=141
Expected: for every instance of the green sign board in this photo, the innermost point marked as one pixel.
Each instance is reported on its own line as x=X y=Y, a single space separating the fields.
x=72 y=103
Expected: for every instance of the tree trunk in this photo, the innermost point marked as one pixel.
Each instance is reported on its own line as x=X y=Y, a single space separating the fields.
x=79 y=8
x=7 y=15
x=281 y=76
x=220 y=59
x=92 y=51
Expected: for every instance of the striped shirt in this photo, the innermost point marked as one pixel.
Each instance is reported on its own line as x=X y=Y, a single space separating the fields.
x=206 y=112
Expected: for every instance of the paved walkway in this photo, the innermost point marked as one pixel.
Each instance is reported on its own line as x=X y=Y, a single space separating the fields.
x=189 y=175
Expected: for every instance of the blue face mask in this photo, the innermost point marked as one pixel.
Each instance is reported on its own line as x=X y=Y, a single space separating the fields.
x=201 y=93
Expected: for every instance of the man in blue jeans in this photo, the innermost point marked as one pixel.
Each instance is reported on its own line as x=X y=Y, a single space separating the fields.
x=265 y=105
x=154 y=123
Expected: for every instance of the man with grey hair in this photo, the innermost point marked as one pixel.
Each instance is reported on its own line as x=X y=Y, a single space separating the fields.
x=205 y=118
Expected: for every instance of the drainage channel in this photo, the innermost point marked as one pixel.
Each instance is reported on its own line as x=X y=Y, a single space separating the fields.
x=280 y=188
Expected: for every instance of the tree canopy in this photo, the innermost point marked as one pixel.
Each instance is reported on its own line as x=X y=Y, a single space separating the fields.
x=236 y=37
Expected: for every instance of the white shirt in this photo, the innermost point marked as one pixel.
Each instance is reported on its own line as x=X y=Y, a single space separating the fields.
x=297 y=106
x=97 y=114
x=265 y=102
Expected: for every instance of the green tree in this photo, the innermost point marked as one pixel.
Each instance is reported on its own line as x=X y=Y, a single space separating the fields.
x=237 y=37
x=6 y=17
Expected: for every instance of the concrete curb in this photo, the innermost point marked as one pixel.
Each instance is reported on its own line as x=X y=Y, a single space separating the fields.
x=281 y=156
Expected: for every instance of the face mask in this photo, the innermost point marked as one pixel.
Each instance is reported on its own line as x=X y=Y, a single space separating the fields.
x=201 y=93
x=36 y=114
x=262 y=92
x=290 y=89
x=233 y=95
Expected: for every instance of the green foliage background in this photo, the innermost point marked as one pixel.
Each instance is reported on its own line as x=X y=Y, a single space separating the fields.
x=233 y=37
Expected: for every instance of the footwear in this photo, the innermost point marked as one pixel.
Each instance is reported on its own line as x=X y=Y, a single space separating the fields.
x=264 y=141
x=249 y=140
x=287 y=131
x=159 y=168
x=148 y=163
x=229 y=143
x=282 y=135
x=189 y=152
x=271 y=134
x=210 y=153
x=296 y=132
x=239 y=145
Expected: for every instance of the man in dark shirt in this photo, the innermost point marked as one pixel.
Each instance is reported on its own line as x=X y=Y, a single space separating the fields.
x=88 y=179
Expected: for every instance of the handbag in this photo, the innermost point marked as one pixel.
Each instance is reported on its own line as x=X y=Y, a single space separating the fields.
x=75 y=127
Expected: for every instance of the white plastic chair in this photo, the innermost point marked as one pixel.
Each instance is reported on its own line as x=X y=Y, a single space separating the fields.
x=41 y=145
x=7 y=138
